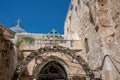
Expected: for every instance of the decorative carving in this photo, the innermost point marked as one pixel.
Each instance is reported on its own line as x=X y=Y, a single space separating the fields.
x=39 y=60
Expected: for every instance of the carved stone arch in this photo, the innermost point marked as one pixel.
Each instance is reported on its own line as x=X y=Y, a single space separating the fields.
x=61 y=49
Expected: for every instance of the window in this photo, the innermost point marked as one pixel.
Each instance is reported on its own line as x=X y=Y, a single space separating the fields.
x=86 y=45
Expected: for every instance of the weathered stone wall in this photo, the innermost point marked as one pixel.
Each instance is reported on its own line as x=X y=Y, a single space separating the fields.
x=7 y=58
x=72 y=67
x=8 y=34
x=96 y=23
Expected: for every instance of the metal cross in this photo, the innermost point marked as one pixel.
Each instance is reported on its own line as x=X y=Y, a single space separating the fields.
x=18 y=22
x=54 y=35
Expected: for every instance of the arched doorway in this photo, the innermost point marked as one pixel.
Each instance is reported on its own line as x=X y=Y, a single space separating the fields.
x=29 y=58
x=52 y=70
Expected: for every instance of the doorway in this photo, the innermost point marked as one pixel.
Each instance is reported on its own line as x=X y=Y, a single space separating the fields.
x=53 y=70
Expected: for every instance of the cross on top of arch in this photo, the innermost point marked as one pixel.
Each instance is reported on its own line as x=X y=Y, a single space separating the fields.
x=53 y=36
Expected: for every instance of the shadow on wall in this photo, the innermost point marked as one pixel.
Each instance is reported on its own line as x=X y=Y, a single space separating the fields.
x=7 y=58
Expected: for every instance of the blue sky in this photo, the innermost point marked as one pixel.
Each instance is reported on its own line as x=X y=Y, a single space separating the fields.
x=38 y=16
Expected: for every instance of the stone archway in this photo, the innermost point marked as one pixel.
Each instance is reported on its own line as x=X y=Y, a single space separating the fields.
x=67 y=51
x=63 y=66
x=52 y=70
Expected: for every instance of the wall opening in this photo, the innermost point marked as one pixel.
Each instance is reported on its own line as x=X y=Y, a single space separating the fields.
x=86 y=45
x=53 y=70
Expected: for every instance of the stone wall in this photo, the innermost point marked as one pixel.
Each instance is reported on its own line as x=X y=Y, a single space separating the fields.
x=7 y=58
x=72 y=67
x=8 y=34
x=96 y=23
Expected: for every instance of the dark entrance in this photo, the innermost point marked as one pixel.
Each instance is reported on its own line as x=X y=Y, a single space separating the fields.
x=52 y=71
